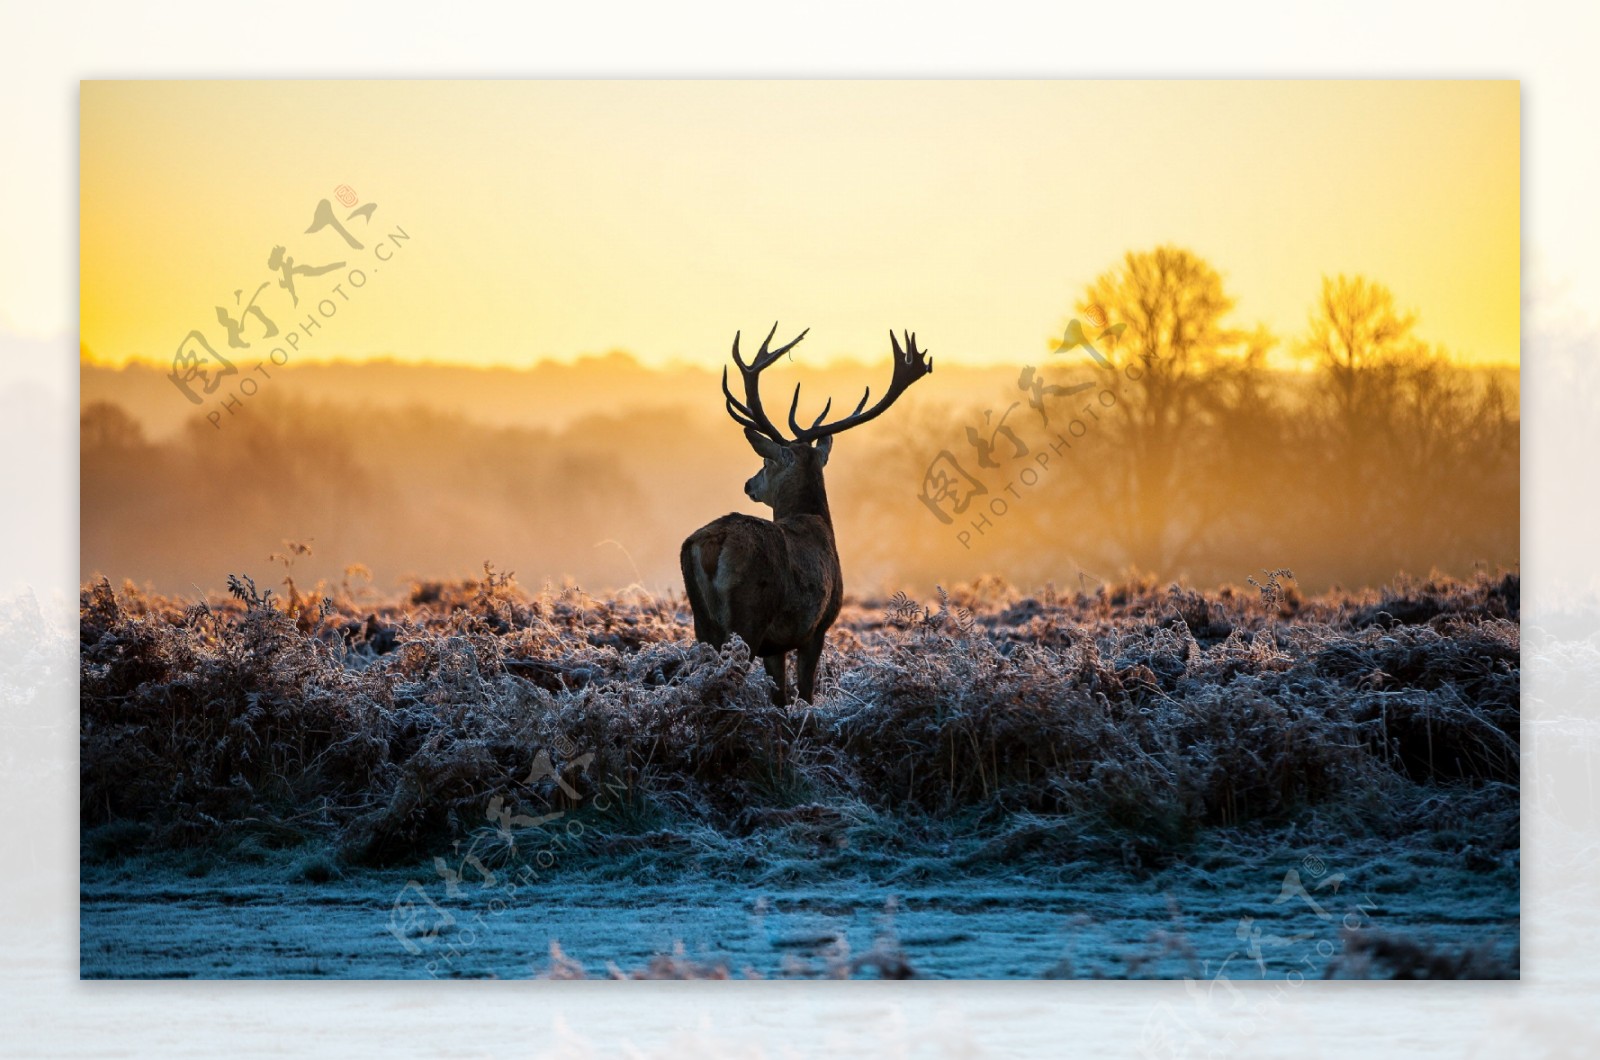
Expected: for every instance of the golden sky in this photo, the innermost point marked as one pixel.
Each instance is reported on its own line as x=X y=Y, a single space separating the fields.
x=553 y=219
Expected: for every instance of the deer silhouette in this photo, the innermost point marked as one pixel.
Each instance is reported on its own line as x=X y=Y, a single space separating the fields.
x=777 y=583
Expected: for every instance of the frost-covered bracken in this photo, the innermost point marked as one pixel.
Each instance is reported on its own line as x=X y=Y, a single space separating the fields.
x=1142 y=713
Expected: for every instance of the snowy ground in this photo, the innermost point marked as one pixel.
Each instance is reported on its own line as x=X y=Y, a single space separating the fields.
x=1206 y=923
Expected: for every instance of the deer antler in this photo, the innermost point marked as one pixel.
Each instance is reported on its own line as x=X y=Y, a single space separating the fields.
x=910 y=365
x=749 y=413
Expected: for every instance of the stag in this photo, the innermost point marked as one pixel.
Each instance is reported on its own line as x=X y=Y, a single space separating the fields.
x=777 y=583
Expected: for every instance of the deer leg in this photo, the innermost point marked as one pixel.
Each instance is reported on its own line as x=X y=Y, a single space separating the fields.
x=778 y=669
x=809 y=656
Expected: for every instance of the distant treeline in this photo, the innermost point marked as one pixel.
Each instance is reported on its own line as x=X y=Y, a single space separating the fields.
x=1158 y=439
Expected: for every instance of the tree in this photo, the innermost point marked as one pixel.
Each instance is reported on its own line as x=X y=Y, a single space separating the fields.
x=107 y=427
x=1358 y=339
x=1415 y=447
x=1178 y=365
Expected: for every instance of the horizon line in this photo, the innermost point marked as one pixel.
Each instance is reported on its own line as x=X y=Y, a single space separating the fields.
x=89 y=359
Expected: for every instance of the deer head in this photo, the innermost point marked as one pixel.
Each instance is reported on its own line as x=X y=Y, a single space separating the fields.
x=786 y=469
x=790 y=479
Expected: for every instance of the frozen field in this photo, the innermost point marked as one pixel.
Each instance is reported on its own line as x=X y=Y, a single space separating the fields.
x=245 y=921
x=1142 y=782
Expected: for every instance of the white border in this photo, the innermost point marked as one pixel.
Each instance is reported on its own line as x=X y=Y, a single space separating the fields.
x=46 y=49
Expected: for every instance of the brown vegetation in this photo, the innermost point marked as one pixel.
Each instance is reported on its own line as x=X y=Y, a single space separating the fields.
x=1116 y=723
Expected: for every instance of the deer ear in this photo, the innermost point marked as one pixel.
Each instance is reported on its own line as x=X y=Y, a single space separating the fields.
x=765 y=447
x=823 y=447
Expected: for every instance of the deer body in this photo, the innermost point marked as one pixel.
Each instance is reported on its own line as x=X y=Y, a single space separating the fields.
x=777 y=583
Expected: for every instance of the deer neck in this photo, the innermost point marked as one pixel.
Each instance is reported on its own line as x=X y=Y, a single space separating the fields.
x=810 y=498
